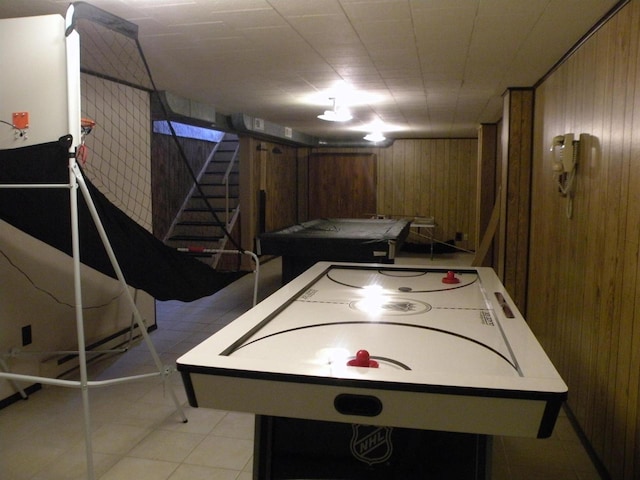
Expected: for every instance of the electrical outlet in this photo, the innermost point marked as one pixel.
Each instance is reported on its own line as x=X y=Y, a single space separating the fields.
x=26 y=335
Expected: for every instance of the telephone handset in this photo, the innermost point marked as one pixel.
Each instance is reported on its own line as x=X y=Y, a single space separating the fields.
x=564 y=152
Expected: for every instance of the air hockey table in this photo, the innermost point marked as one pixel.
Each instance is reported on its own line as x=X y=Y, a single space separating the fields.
x=380 y=372
x=335 y=240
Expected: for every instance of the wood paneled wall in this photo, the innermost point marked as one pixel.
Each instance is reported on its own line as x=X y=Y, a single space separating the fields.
x=428 y=177
x=342 y=185
x=280 y=187
x=432 y=177
x=272 y=169
x=488 y=185
x=515 y=194
x=584 y=279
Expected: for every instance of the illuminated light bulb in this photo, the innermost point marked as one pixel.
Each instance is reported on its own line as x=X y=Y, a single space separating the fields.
x=375 y=137
x=338 y=114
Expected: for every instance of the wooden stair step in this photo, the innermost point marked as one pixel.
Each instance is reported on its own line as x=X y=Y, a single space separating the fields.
x=196 y=223
x=195 y=238
x=204 y=209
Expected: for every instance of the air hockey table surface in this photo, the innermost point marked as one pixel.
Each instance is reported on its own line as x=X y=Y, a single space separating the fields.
x=452 y=352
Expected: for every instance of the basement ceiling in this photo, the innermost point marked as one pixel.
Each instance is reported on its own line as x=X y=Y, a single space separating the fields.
x=424 y=68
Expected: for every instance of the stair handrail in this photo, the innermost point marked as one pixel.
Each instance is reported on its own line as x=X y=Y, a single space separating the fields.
x=225 y=181
x=223 y=241
x=192 y=190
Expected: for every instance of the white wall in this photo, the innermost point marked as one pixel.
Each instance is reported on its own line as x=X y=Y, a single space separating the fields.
x=33 y=79
x=36 y=288
x=36 y=281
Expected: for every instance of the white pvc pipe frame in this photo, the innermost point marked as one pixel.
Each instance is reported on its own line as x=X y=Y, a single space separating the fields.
x=77 y=181
x=254 y=257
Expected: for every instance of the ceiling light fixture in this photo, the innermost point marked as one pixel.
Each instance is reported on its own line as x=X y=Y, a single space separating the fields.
x=375 y=137
x=338 y=114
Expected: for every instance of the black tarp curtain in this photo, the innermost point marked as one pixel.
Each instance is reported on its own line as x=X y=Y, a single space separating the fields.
x=45 y=214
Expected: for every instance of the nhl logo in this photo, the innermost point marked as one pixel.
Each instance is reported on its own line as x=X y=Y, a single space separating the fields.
x=371 y=444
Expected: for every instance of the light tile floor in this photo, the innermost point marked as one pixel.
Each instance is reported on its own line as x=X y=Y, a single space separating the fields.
x=136 y=433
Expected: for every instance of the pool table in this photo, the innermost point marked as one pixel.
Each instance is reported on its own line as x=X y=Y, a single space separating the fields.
x=335 y=240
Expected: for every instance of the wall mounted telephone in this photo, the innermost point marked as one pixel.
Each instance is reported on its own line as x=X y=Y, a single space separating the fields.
x=564 y=153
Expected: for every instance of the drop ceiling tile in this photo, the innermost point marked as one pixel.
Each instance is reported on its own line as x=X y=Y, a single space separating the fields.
x=374 y=10
x=296 y=8
x=416 y=55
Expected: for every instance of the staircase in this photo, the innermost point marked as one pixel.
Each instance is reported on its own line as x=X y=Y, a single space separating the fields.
x=195 y=228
